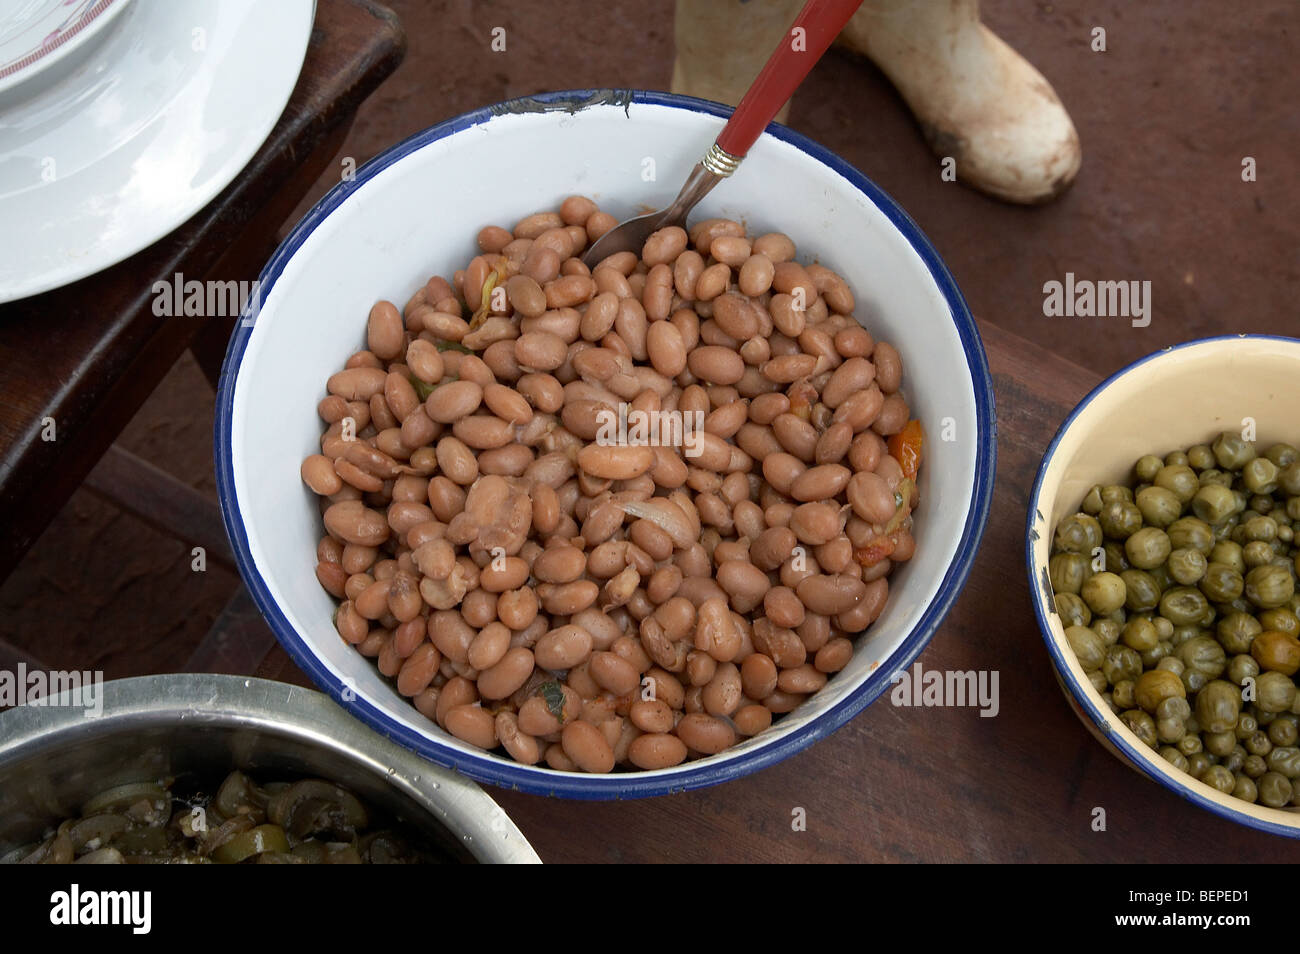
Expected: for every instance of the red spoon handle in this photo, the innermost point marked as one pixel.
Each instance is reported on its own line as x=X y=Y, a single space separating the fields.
x=801 y=46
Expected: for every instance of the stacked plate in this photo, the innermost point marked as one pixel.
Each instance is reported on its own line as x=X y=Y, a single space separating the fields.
x=119 y=119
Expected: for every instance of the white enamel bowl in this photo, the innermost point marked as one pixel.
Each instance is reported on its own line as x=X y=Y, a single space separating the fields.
x=1168 y=401
x=414 y=211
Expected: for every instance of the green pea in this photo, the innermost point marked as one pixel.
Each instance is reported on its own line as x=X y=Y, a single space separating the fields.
x=1280 y=619
x=1174 y=707
x=1107 y=630
x=1200 y=457
x=1217 y=707
x=1087 y=645
x=1172 y=664
x=1214 y=476
x=1140 y=634
x=1261 y=528
x=1221 y=583
x=1159 y=507
x=1282 y=454
x=1115 y=559
x=1092 y=502
x=1246 y=726
x=1147 y=467
x=1257 y=553
x=1187 y=566
x=1260 y=476
x=1124 y=694
x=1141 y=591
x=1282 y=730
x=1174 y=757
x=1176 y=459
x=1270 y=586
x=1234 y=760
x=1098 y=680
x=1260 y=503
x=1183 y=633
x=1143 y=726
x=1104 y=593
x=1219 y=743
x=1203 y=655
x=1078 y=534
x=1245 y=789
x=1274 y=789
x=1254 y=766
x=1219 y=777
x=1121 y=664
x=1067 y=571
x=1289 y=479
x=1231 y=452
x=1258 y=743
x=1120 y=519
x=1113 y=492
x=1214 y=503
x=1191 y=533
x=1236 y=631
x=1072 y=610
x=1199 y=764
x=1148 y=548
x=1274 y=692
x=1180 y=480
x=1190 y=744
x=1285 y=760
x=1183 y=605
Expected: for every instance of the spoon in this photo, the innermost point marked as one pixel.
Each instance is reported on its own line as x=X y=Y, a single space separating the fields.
x=818 y=23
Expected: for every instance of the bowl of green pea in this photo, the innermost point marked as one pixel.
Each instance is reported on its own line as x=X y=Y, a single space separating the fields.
x=1163 y=550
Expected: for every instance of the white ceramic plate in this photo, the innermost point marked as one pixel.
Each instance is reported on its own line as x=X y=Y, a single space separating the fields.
x=158 y=119
x=35 y=35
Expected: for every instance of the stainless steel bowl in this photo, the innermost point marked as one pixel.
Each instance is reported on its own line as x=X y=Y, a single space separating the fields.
x=53 y=758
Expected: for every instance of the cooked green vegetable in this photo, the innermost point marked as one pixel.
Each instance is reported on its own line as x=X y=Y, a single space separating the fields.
x=1190 y=630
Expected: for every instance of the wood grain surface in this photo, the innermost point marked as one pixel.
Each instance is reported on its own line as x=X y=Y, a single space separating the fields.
x=899 y=784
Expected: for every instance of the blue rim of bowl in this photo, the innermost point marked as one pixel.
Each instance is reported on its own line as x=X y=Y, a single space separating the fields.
x=1117 y=737
x=497 y=771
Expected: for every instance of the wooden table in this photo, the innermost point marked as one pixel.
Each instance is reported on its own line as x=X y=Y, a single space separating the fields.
x=86 y=356
x=902 y=784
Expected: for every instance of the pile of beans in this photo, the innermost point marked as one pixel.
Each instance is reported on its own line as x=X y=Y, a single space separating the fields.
x=1178 y=596
x=590 y=604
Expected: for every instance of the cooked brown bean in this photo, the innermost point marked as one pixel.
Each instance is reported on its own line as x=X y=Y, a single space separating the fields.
x=614 y=673
x=705 y=733
x=353 y=522
x=357 y=384
x=418 y=670
x=664 y=245
x=656 y=750
x=616 y=462
x=820 y=483
x=751 y=719
x=472 y=724
x=318 y=473
x=563 y=648
x=893 y=415
x=889 y=367
x=830 y=595
x=511 y=672
x=450 y=402
x=587 y=747
x=384 y=331
x=666 y=348
x=756 y=275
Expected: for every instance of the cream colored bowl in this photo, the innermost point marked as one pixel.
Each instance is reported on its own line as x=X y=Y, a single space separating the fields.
x=1168 y=401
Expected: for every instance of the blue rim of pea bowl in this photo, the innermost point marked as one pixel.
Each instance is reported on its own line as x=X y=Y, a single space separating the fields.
x=691 y=775
x=1117 y=735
